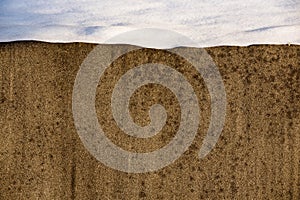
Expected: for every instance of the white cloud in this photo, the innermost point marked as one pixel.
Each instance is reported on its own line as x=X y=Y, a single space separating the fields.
x=207 y=22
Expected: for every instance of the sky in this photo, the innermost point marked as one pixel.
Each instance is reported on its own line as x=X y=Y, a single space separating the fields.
x=205 y=22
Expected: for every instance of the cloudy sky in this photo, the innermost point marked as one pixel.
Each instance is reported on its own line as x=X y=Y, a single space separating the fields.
x=205 y=22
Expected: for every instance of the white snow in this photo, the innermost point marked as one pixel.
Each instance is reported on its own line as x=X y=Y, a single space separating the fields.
x=206 y=22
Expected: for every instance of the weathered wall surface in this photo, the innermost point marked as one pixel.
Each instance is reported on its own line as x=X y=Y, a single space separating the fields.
x=256 y=157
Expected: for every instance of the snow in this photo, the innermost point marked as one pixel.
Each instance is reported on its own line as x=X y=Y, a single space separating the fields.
x=205 y=22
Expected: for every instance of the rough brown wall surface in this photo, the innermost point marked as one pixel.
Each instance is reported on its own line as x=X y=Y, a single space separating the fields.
x=256 y=157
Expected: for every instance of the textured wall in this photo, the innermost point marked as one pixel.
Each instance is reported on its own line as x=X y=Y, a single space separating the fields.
x=256 y=157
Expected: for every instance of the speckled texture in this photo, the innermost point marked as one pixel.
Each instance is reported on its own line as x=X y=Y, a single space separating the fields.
x=256 y=157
